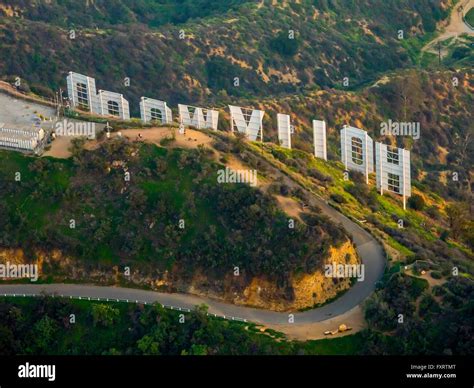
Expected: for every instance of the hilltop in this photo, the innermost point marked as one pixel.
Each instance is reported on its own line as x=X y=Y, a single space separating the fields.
x=272 y=49
x=173 y=224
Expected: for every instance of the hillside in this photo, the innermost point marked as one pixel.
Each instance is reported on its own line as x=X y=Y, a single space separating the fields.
x=173 y=224
x=251 y=42
x=444 y=112
x=153 y=13
x=301 y=76
x=179 y=230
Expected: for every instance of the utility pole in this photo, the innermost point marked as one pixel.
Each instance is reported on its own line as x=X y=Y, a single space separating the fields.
x=439 y=53
x=405 y=101
x=56 y=102
x=61 y=96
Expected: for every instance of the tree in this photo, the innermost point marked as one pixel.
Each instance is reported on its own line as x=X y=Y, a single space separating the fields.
x=284 y=45
x=148 y=345
x=44 y=333
x=7 y=341
x=416 y=202
x=458 y=217
x=104 y=314
x=196 y=350
x=405 y=96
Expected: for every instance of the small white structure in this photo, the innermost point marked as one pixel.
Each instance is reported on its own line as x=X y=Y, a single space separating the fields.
x=198 y=117
x=155 y=110
x=357 y=150
x=393 y=170
x=82 y=92
x=284 y=130
x=319 y=137
x=247 y=121
x=113 y=104
x=26 y=140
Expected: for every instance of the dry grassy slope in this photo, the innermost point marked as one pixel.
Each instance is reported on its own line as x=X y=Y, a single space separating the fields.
x=355 y=39
x=444 y=112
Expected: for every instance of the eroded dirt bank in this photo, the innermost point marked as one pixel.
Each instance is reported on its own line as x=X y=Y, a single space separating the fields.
x=302 y=291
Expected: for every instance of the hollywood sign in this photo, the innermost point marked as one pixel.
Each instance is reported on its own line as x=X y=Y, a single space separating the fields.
x=200 y=118
x=83 y=94
x=155 y=110
x=319 y=137
x=393 y=170
x=285 y=130
x=247 y=121
x=357 y=151
x=392 y=166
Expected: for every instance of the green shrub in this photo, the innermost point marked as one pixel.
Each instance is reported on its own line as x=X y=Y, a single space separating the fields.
x=338 y=198
x=416 y=202
x=283 y=45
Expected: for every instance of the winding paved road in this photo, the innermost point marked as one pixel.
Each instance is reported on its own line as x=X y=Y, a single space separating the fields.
x=369 y=250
